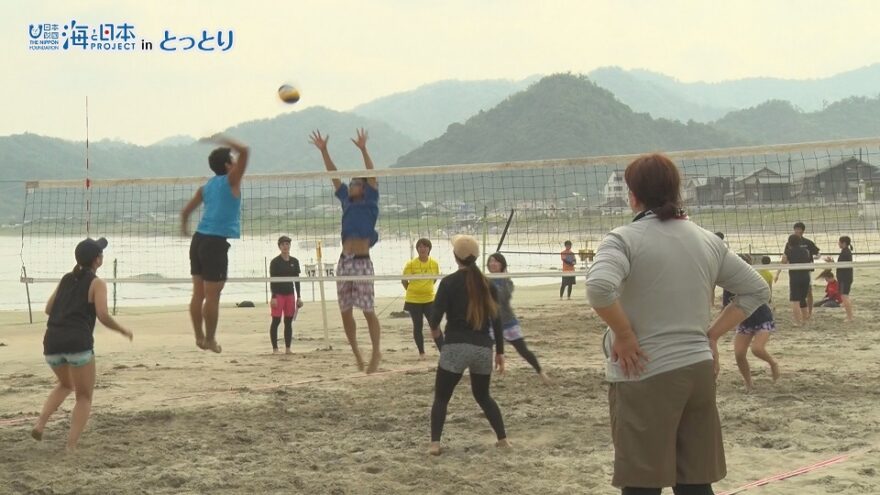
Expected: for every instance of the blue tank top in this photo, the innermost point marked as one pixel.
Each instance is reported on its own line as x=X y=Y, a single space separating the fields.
x=222 y=215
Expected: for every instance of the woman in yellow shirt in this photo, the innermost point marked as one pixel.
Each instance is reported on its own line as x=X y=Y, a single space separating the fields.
x=420 y=293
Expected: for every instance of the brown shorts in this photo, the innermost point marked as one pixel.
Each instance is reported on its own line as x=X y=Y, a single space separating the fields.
x=666 y=429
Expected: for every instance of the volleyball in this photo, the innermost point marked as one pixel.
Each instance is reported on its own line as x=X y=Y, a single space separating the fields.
x=288 y=94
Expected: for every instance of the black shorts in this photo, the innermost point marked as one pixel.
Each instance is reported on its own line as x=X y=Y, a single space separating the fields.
x=845 y=286
x=569 y=281
x=799 y=288
x=208 y=257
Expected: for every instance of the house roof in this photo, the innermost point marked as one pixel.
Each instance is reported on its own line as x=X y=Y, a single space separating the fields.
x=775 y=176
x=845 y=162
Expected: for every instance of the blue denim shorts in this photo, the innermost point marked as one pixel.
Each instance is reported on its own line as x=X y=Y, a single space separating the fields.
x=76 y=359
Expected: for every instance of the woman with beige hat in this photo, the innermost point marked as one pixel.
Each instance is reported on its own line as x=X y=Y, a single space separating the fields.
x=470 y=304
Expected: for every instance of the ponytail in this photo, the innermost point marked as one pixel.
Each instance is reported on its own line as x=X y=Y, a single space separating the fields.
x=668 y=211
x=481 y=304
x=848 y=241
x=78 y=270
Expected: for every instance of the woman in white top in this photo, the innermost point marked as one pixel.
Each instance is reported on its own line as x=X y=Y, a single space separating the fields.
x=662 y=360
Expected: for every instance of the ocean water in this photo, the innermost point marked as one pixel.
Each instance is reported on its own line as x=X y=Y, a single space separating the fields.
x=168 y=258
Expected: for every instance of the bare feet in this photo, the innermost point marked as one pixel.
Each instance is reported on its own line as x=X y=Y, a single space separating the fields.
x=434 y=449
x=275 y=351
x=503 y=444
x=422 y=357
x=375 y=359
x=545 y=378
x=37 y=434
x=200 y=343
x=213 y=346
x=774 y=370
x=748 y=387
x=288 y=351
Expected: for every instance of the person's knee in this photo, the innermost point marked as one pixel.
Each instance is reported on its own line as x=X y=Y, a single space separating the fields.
x=741 y=355
x=84 y=395
x=65 y=387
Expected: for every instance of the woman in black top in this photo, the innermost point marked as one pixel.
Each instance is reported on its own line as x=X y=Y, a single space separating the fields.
x=845 y=275
x=68 y=345
x=470 y=304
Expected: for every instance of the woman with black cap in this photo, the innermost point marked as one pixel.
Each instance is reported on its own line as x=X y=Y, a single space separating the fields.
x=470 y=304
x=68 y=345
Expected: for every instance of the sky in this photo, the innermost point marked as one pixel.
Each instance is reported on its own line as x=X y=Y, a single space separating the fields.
x=344 y=53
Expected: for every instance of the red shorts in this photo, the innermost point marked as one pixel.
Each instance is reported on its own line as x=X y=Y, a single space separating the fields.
x=285 y=304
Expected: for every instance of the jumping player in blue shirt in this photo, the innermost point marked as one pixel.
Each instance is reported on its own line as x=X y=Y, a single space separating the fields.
x=360 y=210
x=221 y=220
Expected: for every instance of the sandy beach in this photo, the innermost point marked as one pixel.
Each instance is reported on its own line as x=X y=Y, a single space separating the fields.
x=169 y=418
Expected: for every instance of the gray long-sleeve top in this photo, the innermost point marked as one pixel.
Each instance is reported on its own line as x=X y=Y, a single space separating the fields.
x=664 y=274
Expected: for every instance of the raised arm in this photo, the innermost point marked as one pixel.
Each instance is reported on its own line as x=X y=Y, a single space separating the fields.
x=320 y=142
x=237 y=172
x=361 y=143
x=187 y=211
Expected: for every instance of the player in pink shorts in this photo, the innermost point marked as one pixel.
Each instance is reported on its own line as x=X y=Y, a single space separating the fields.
x=286 y=299
x=360 y=211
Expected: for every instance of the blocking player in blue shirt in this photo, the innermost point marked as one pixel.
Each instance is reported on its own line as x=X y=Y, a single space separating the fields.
x=360 y=210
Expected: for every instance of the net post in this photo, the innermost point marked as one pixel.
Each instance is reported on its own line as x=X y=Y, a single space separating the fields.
x=266 y=272
x=485 y=233
x=323 y=299
x=114 y=286
x=27 y=289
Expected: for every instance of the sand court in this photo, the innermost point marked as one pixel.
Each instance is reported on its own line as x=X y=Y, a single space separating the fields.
x=169 y=418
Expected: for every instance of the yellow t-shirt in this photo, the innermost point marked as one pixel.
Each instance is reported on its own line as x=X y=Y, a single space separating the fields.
x=421 y=291
x=768 y=277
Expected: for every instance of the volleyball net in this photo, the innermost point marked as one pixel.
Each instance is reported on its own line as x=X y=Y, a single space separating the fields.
x=525 y=210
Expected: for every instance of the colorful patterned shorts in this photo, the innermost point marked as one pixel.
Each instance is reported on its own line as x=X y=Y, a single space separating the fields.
x=767 y=326
x=351 y=293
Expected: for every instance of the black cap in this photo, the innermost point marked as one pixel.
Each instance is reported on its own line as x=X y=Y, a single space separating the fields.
x=89 y=249
x=283 y=238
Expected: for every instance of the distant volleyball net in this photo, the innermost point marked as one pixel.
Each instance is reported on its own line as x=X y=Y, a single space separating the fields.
x=524 y=209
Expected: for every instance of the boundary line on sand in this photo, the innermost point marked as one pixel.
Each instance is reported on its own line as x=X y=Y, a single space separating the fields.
x=795 y=472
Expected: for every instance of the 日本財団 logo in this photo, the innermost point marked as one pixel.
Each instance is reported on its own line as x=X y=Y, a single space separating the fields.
x=122 y=37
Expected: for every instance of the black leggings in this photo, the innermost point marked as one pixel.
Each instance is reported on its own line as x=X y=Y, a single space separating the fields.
x=566 y=282
x=443 y=388
x=520 y=346
x=419 y=313
x=679 y=489
x=288 y=331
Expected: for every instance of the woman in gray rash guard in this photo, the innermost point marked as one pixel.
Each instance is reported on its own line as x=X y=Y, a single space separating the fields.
x=662 y=361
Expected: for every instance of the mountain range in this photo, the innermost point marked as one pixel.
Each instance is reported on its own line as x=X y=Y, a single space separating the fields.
x=607 y=111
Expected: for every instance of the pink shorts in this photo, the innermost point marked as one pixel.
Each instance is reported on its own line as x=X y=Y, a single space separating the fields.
x=285 y=305
x=351 y=293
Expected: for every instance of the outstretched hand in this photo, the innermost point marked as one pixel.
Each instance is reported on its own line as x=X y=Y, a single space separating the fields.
x=318 y=140
x=361 y=141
